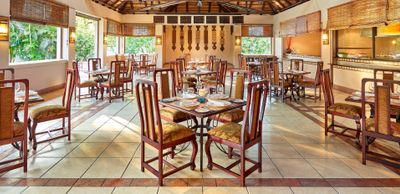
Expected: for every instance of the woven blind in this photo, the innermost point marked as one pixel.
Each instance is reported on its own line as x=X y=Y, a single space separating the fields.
x=114 y=28
x=314 y=22
x=288 y=28
x=339 y=17
x=40 y=11
x=393 y=10
x=257 y=30
x=368 y=13
x=301 y=25
x=130 y=29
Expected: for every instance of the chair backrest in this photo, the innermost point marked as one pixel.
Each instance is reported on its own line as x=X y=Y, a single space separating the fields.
x=7 y=107
x=77 y=77
x=274 y=72
x=182 y=62
x=94 y=64
x=166 y=77
x=68 y=90
x=221 y=72
x=256 y=100
x=115 y=72
x=243 y=62
x=297 y=64
x=327 y=88
x=149 y=111
x=143 y=60
x=386 y=75
x=240 y=82
x=177 y=69
x=382 y=115
x=317 y=79
x=3 y=74
x=265 y=69
x=129 y=69
x=155 y=56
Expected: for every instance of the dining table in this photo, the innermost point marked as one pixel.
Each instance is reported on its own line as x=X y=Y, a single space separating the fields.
x=292 y=76
x=198 y=73
x=19 y=100
x=202 y=115
x=355 y=97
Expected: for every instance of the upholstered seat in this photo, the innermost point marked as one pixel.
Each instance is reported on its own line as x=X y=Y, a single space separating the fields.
x=88 y=83
x=190 y=84
x=108 y=84
x=346 y=109
x=229 y=132
x=172 y=114
x=18 y=129
x=307 y=83
x=49 y=111
x=208 y=77
x=370 y=126
x=189 y=79
x=235 y=115
x=173 y=132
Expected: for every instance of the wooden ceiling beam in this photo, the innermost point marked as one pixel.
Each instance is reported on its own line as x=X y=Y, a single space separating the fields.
x=170 y=3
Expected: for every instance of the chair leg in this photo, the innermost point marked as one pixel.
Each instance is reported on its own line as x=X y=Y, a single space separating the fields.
x=63 y=125
x=242 y=167
x=69 y=127
x=142 y=148
x=30 y=129
x=160 y=167
x=194 y=153
x=260 y=156
x=326 y=124
x=230 y=152
x=172 y=152
x=208 y=153
x=33 y=131
x=315 y=94
x=109 y=95
x=123 y=93
x=132 y=87
x=24 y=145
x=79 y=94
x=363 y=148
x=102 y=93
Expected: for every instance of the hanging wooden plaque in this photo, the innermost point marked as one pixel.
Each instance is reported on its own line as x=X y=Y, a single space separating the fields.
x=173 y=37
x=182 y=39
x=214 y=37
x=205 y=37
x=190 y=38
x=222 y=38
x=197 y=37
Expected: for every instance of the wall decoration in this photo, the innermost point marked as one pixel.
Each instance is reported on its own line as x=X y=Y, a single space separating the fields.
x=172 y=19
x=205 y=37
x=182 y=38
x=158 y=19
x=197 y=38
x=190 y=38
x=214 y=37
x=198 y=19
x=173 y=37
x=222 y=38
x=211 y=19
x=186 y=19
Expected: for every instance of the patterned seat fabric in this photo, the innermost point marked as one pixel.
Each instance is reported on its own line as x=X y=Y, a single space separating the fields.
x=49 y=111
x=172 y=115
x=209 y=77
x=18 y=129
x=189 y=79
x=235 y=116
x=346 y=109
x=370 y=126
x=307 y=83
x=173 y=132
x=88 y=83
x=230 y=132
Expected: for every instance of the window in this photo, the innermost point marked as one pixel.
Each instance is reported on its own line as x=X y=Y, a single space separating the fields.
x=387 y=42
x=355 y=43
x=33 y=42
x=134 y=45
x=257 y=45
x=112 y=43
x=86 y=44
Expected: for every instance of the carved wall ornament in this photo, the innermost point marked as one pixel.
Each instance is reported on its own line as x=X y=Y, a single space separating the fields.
x=173 y=37
x=182 y=38
x=205 y=37
x=197 y=38
x=214 y=37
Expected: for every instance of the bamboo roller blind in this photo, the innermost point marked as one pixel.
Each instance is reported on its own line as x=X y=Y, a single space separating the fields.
x=257 y=30
x=40 y=12
x=130 y=29
x=301 y=25
x=363 y=13
x=114 y=28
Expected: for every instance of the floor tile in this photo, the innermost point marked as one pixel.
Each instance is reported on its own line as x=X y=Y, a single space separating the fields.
x=269 y=190
x=89 y=150
x=281 y=151
x=120 y=150
x=36 y=168
x=313 y=190
x=389 y=190
x=12 y=190
x=130 y=190
x=357 y=190
x=91 y=190
x=102 y=136
x=313 y=151
x=224 y=190
x=45 y=190
x=69 y=168
x=180 y=190
x=134 y=171
x=295 y=168
x=56 y=150
x=332 y=168
x=370 y=170
x=101 y=168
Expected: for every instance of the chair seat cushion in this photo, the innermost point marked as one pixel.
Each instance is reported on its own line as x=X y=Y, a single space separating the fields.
x=370 y=126
x=189 y=79
x=174 y=132
x=88 y=83
x=307 y=83
x=235 y=115
x=190 y=84
x=172 y=115
x=98 y=79
x=49 y=111
x=19 y=129
x=113 y=84
x=208 y=77
x=229 y=132
x=346 y=109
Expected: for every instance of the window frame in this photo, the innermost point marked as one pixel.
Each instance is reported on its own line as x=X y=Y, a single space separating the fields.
x=125 y=38
x=97 y=32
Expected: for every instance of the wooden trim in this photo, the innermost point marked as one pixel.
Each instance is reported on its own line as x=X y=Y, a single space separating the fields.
x=51 y=88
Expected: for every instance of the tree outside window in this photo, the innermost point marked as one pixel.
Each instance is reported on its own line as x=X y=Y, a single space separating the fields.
x=256 y=45
x=134 y=45
x=32 y=42
x=112 y=45
x=86 y=38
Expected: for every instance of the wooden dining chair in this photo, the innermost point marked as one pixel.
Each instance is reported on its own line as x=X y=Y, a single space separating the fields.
x=278 y=83
x=143 y=64
x=386 y=74
x=297 y=64
x=128 y=76
x=153 y=64
x=242 y=137
x=344 y=110
x=221 y=77
x=115 y=84
x=160 y=136
x=94 y=64
x=6 y=73
x=91 y=85
x=235 y=115
x=313 y=84
x=380 y=126
x=11 y=131
x=54 y=112
x=180 y=79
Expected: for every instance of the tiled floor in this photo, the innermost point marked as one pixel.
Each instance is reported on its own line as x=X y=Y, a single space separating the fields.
x=103 y=157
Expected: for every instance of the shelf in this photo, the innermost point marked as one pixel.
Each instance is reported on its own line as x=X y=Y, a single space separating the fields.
x=354 y=48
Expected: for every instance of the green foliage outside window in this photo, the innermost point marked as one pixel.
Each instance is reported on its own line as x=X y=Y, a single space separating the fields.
x=86 y=35
x=256 y=45
x=112 y=45
x=135 y=45
x=32 y=42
